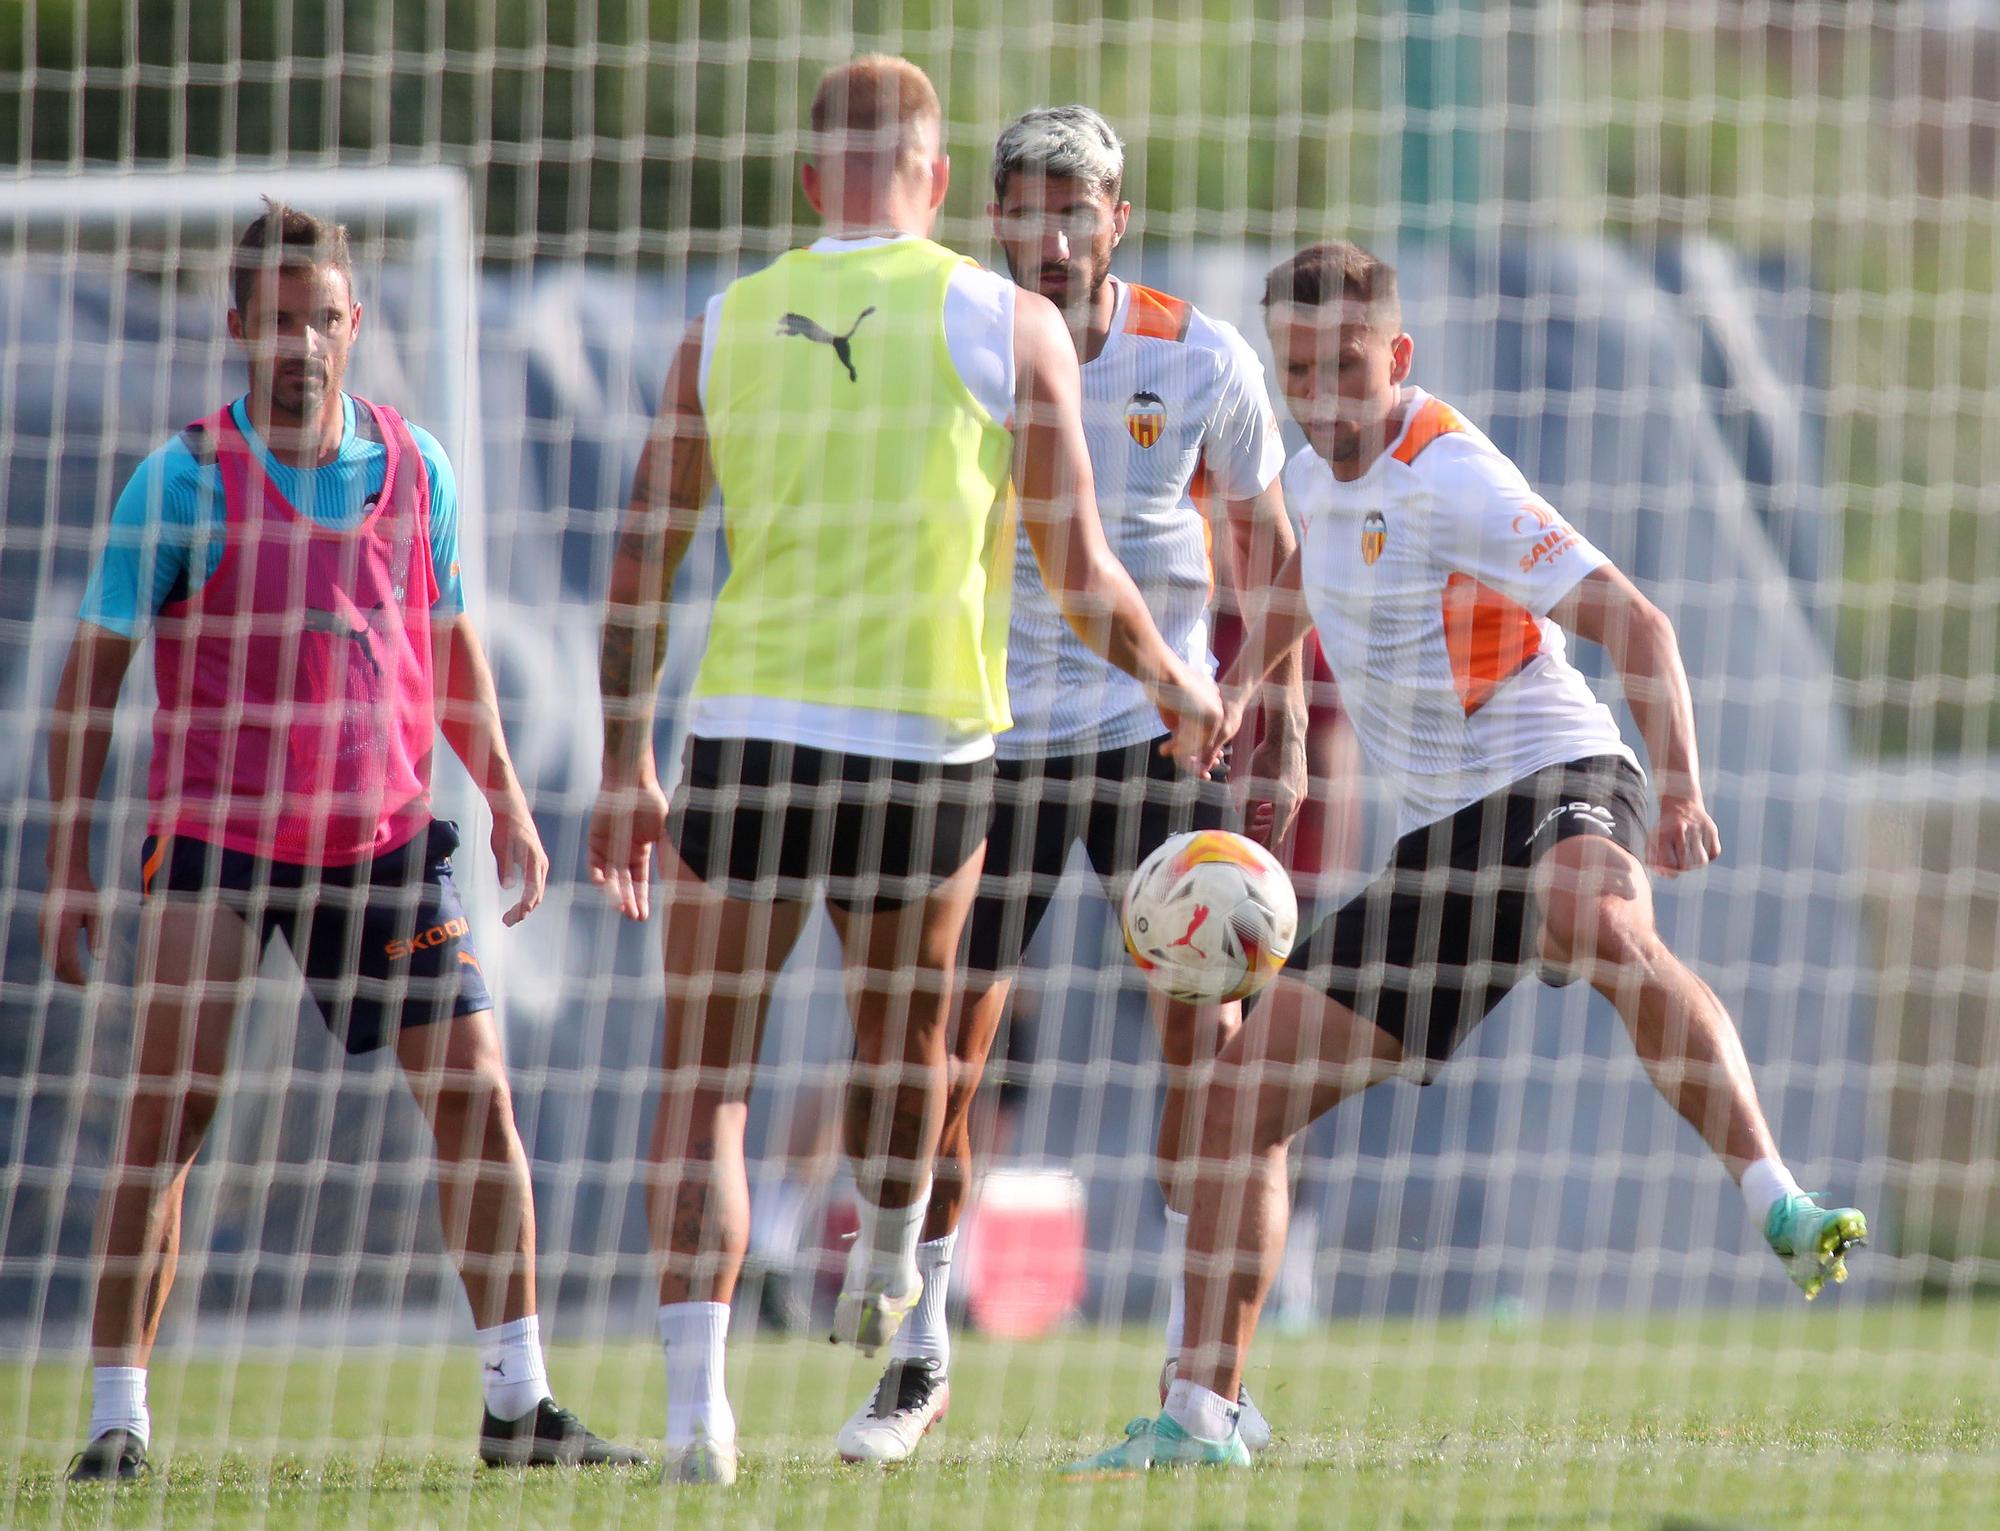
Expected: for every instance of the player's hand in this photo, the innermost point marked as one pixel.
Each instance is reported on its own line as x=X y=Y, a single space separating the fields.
x=1685 y=839
x=71 y=908
x=628 y=821
x=1192 y=709
x=1275 y=789
x=517 y=852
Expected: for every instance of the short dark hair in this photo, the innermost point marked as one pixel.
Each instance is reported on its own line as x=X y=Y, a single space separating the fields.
x=1337 y=271
x=281 y=236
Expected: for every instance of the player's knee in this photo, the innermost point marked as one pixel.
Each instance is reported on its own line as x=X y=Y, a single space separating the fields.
x=167 y=1129
x=474 y=1108
x=1606 y=937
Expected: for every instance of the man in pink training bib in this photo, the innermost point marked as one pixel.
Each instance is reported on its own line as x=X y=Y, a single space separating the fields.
x=296 y=555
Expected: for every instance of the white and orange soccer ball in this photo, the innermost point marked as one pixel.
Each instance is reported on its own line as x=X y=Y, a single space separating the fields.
x=1209 y=917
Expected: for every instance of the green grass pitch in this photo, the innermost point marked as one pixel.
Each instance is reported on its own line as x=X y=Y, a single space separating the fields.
x=1885 y=1416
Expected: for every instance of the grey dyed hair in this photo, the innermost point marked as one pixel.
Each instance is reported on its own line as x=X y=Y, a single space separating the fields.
x=1072 y=143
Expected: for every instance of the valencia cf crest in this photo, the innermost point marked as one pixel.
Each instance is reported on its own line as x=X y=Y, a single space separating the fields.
x=1145 y=417
x=1374 y=537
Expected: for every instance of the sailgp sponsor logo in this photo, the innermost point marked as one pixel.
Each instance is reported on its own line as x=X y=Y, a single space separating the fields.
x=1535 y=516
x=1553 y=535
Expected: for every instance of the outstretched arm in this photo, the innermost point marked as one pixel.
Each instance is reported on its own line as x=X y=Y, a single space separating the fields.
x=668 y=492
x=1608 y=609
x=468 y=710
x=1058 y=505
x=79 y=743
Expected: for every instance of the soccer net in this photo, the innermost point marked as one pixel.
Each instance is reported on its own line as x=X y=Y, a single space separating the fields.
x=1719 y=280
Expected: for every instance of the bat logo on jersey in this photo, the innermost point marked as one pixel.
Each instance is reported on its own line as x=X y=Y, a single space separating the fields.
x=1145 y=417
x=806 y=329
x=1374 y=537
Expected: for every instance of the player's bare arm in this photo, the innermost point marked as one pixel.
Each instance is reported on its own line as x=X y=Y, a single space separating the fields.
x=669 y=489
x=1275 y=624
x=1058 y=507
x=1608 y=609
x=79 y=742
x=468 y=714
x=1261 y=542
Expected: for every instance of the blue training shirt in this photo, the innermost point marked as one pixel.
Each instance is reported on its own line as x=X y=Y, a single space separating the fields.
x=168 y=527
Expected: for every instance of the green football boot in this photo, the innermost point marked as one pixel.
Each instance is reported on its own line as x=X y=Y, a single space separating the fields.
x=1151 y=1443
x=1813 y=1241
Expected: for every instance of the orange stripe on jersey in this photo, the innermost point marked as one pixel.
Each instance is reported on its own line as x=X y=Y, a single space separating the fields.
x=1155 y=315
x=1489 y=637
x=152 y=866
x=1435 y=419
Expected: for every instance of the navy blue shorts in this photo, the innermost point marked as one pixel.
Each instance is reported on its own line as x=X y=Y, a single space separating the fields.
x=384 y=944
x=1449 y=926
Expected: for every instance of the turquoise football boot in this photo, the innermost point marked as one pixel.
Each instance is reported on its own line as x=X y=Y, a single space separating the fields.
x=1813 y=1241
x=1151 y=1443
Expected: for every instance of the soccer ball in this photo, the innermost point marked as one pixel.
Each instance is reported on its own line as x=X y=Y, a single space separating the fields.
x=1210 y=917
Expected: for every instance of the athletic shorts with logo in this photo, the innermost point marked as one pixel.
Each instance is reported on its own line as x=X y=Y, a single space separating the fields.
x=1121 y=803
x=384 y=944
x=760 y=820
x=1449 y=926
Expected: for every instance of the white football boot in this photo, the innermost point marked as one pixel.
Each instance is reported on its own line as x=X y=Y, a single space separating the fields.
x=703 y=1460
x=911 y=1397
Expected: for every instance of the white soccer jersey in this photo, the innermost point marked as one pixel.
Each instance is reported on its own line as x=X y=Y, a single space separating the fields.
x=1173 y=397
x=1430 y=578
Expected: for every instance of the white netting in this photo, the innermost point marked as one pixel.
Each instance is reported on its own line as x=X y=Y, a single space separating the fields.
x=1719 y=278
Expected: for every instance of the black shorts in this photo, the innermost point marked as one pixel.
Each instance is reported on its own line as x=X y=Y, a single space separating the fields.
x=760 y=820
x=384 y=944
x=1121 y=803
x=1449 y=926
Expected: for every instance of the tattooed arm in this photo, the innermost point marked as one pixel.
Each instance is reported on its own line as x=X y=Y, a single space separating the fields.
x=668 y=491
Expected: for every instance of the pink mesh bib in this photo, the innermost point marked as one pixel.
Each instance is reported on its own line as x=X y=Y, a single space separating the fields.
x=295 y=712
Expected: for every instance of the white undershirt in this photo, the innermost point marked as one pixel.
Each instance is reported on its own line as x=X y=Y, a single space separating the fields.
x=979 y=333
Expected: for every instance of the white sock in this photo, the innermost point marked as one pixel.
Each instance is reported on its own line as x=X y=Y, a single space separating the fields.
x=1173 y=1266
x=512 y=1370
x=924 y=1333
x=692 y=1335
x=884 y=1256
x=118 y=1401
x=1765 y=1184
x=1200 y=1411
x=777 y=1213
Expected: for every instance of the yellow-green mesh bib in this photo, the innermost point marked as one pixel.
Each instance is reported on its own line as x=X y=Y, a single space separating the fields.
x=863 y=493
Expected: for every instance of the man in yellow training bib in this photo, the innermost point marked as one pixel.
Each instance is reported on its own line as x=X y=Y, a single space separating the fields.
x=864 y=404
